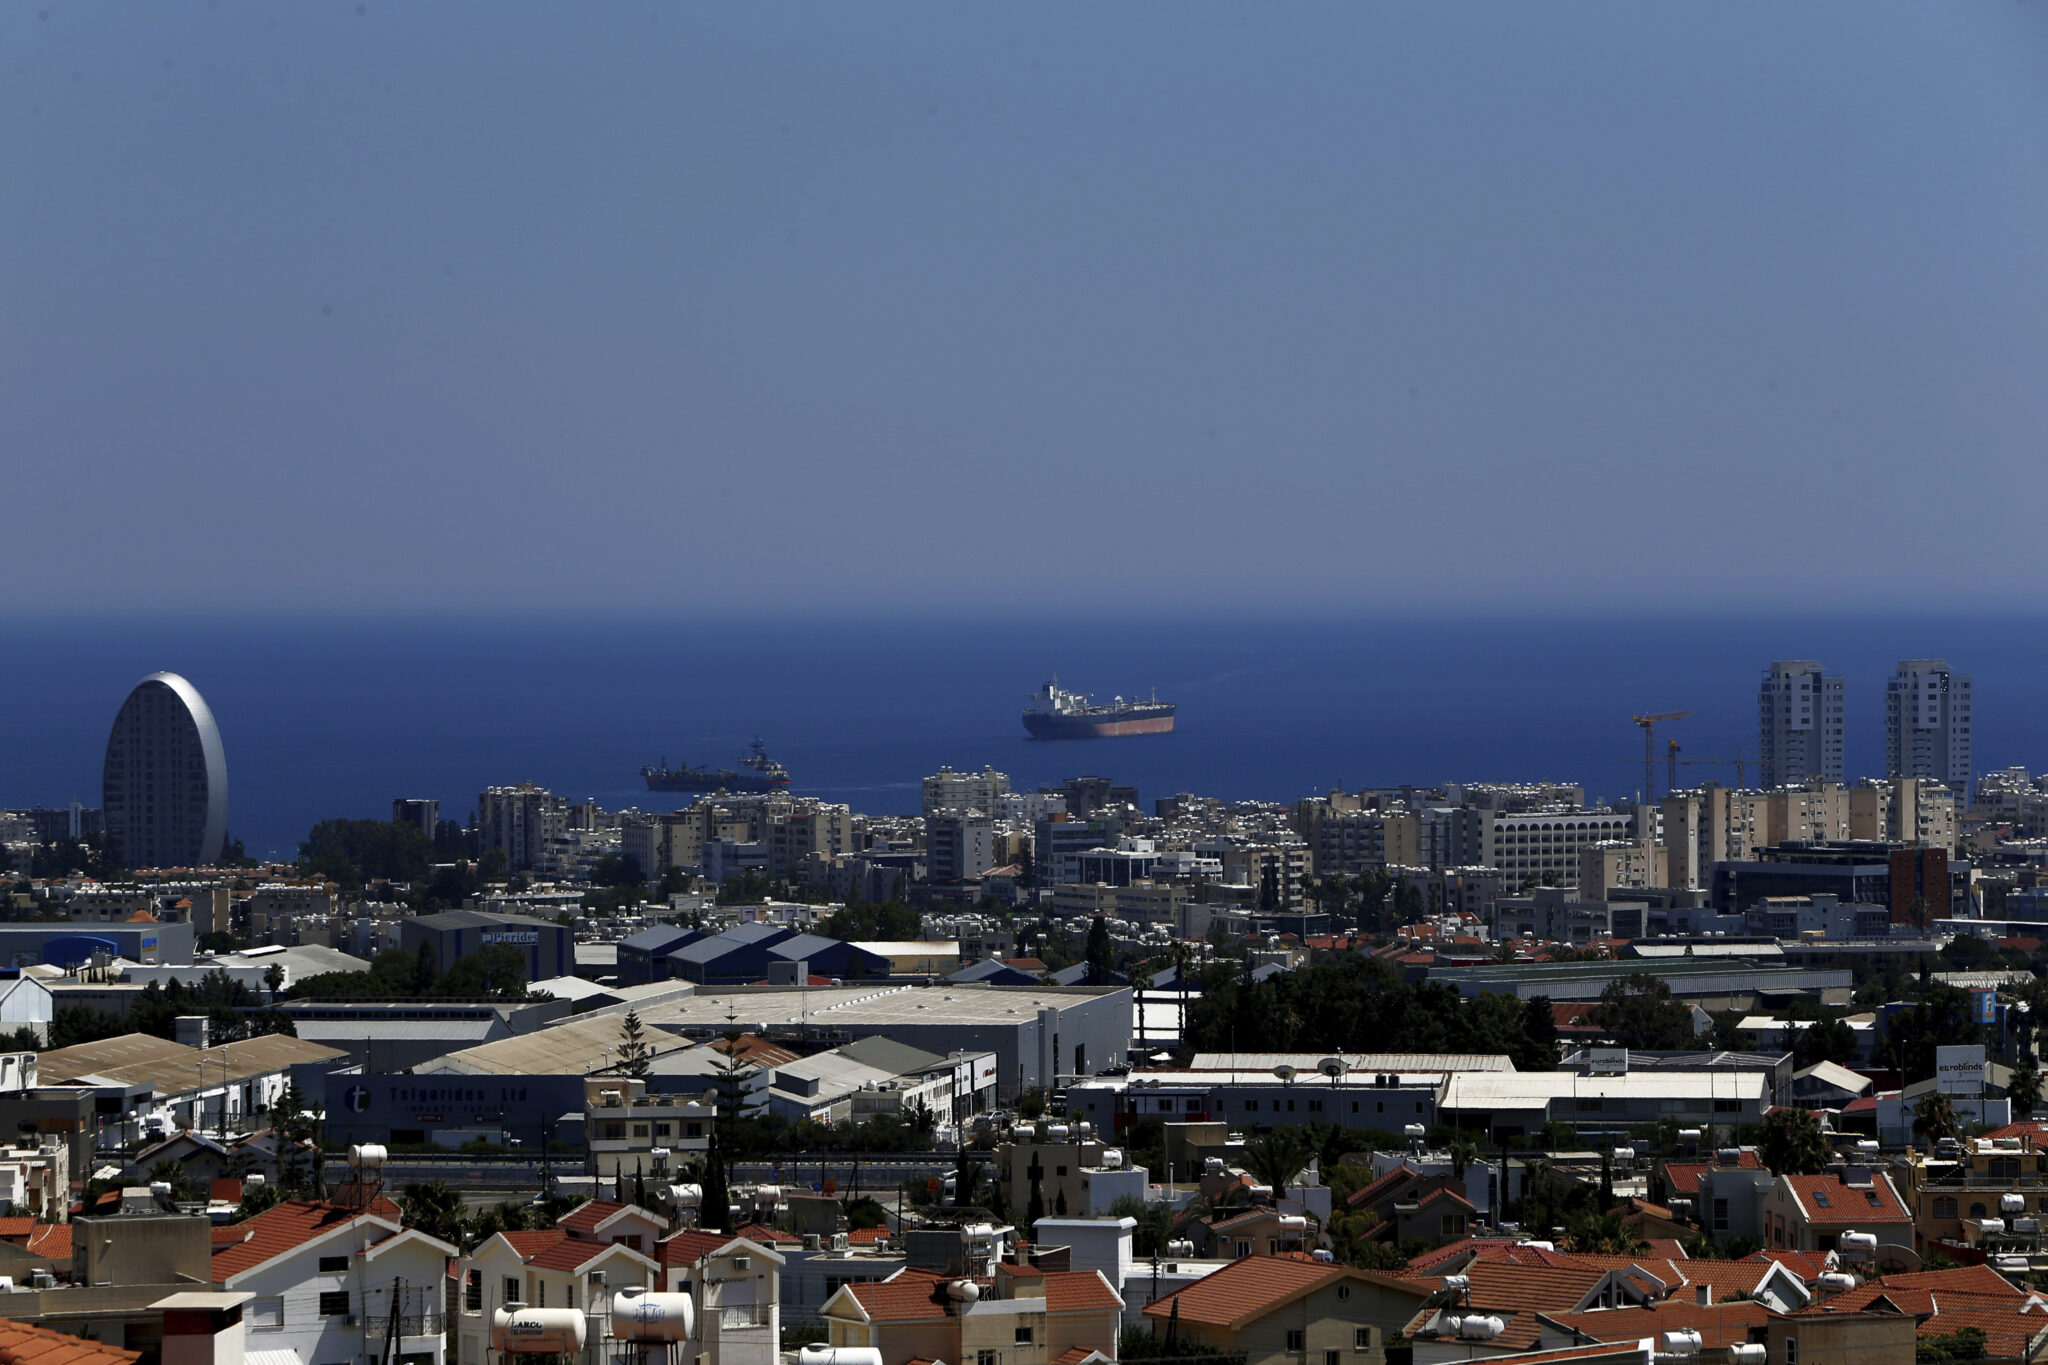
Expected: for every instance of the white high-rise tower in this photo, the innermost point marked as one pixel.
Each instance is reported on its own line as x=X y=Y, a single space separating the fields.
x=1927 y=724
x=1799 y=721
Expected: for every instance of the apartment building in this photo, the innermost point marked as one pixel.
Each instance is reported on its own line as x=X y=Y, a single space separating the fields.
x=1800 y=719
x=947 y=790
x=1544 y=846
x=1928 y=723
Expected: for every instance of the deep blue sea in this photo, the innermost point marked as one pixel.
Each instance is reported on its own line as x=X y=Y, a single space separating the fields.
x=335 y=717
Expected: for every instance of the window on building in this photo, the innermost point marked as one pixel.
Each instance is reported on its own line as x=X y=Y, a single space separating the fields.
x=266 y=1314
x=1361 y=1339
x=985 y=1358
x=1791 y=1351
x=1297 y=1340
x=332 y=1264
x=473 y=1293
x=1244 y=1249
x=512 y=1294
x=334 y=1303
x=1023 y=1336
x=1720 y=1215
x=1251 y=1106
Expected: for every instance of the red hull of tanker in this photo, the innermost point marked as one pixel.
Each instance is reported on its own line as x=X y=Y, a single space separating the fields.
x=1066 y=727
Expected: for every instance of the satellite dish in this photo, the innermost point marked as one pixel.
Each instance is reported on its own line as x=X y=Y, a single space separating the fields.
x=1333 y=1067
x=1285 y=1073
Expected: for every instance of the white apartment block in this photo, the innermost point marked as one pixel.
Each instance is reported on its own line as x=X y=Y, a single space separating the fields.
x=1800 y=715
x=1927 y=724
x=1528 y=846
x=948 y=790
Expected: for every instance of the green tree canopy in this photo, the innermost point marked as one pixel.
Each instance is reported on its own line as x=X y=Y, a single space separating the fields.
x=1639 y=1012
x=1793 y=1143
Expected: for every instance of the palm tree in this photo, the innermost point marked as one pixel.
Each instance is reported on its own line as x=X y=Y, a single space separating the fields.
x=1935 y=1118
x=2025 y=1088
x=1276 y=1157
x=173 y=1173
x=967 y=1176
x=435 y=1208
x=1463 y=1152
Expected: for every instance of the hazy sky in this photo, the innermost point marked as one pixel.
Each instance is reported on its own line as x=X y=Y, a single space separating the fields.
x=1110 y=306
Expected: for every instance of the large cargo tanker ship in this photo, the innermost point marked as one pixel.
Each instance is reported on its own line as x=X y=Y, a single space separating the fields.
x=1055 y=713
x=757 y=773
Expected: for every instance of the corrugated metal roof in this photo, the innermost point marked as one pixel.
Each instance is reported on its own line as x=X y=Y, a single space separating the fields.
x=1531 y=1089
x=1355 y=1061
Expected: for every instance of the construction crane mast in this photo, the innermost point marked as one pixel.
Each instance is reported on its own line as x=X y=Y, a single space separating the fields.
x=1739 y=763
x=1649 y=724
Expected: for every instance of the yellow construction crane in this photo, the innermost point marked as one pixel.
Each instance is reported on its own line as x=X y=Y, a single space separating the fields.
x=1650 y=723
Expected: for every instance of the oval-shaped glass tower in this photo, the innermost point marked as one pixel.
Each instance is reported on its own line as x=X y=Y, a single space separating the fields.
x=164 y=791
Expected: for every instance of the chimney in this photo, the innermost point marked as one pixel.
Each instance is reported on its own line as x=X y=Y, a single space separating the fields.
x=1703 y=1294
x=202 y=1328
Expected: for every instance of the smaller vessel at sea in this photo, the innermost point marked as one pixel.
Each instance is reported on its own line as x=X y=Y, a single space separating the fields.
x=1055 y=713
x=757 y=773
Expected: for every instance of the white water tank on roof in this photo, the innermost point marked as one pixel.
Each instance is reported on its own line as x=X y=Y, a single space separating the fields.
x=839 y=1355
x=963 y=1291
x=1684 y=1342
x=1857 y=1242
x=2012 y=1203
x=368 y=1156
x=1835 y=1282
x=537 y=1331
x=1479 y=1327
x=686 y=1196
x=1748 y=1353
x=640 y=1316
x=1293 y=1222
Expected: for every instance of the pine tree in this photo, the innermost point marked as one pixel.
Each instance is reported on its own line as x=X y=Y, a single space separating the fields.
x=635 y=1057
x=1101 y=954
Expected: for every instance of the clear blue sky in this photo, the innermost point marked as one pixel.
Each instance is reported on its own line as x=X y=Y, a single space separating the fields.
x=1355 y=305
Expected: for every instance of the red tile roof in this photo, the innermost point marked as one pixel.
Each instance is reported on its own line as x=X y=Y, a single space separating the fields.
x=1826 y=1200
x=767 y=1236
x=1565 y=1354
x=1807 y=1265
x=52 y=1240
x=1079 y=1291
x=287 y=1226
x=1724 y=1324
x=2037 y=1129
x=21 y=1344
x=1962 y=1279
x=1497 y=1284
x=861 y=1237
x=1366 y=1195
x=531 y=1244
x=16 y=1229
x=571 y=1253
x=586 y=1217
x=906 y=1296
x=689 y=1247
x=2008 y=1331
x=229 y=1234
x=1252 y=1286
